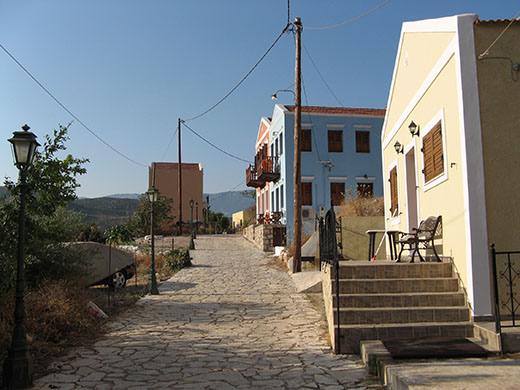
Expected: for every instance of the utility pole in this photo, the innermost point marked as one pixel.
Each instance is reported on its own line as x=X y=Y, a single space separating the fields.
x=297 y=151
x=179 y=175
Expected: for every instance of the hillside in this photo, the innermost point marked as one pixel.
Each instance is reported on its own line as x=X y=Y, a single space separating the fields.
x=105 y=211
x=229 y=202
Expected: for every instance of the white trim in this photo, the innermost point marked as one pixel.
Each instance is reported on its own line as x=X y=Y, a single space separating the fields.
x=338 y=178
x=428 y=81
x=308 y=177
x=363 y=126
x=363 y=178
x=308 y=125
x=336 y=126
x=477 y=258
x=429 y=127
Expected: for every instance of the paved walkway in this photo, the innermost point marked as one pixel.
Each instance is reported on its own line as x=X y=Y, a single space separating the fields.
x=229 y=322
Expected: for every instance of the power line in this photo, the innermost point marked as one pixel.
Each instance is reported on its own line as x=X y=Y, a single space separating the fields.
x=243 y=78
x=70 y=112
x=486 y=52
x=321 y=76
x=350 y=20
x=169 y=144
x=215 y=146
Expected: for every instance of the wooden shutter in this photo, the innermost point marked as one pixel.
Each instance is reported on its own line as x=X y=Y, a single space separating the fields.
x=306 y=194
x=393 y=192
x=433 y=153
x=363 y=141
x=306 y=141
x=335 y=141
x=337 y=193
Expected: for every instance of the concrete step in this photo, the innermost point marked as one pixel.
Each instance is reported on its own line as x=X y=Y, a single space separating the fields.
x=351 y=335
x=390 y=270
x=391 y=315
x=385 y=286
x=400 y=299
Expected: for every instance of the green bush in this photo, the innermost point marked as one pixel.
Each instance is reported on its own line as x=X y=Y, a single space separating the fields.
x=177 y=259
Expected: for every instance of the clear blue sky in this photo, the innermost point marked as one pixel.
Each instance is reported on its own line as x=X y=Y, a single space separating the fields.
x=128 y=69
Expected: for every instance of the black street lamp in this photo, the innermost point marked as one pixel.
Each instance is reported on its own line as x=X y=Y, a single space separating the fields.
x=18 y=370
x=192 y=243
x=153 y=195
x=196 y=218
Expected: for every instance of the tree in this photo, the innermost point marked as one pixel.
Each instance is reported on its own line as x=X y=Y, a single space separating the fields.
x=52 y=184
x=220 y=221
x=139 y=223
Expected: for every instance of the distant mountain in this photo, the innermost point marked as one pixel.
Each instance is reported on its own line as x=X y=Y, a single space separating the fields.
x=229 y=202
x=124 y=196
x=3 y=191
x=105 y=211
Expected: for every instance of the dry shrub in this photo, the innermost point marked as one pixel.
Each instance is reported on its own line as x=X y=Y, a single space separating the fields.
x=355 y=206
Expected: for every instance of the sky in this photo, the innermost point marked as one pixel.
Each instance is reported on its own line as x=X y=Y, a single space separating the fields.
x=128 y=69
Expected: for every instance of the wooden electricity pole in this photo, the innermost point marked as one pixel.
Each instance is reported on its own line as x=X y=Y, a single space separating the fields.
x=297 y=152
x=179 y=175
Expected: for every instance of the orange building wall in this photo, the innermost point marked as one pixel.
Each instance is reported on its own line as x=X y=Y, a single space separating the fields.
x=166 y=181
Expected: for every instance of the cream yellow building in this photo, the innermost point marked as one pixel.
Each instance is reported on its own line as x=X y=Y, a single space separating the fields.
x=244 y=218
x=463 y=161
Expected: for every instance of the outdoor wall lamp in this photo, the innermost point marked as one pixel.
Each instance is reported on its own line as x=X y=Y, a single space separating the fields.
x=274 y=96
x=414 y=129
x=398 y=147
x=18 y=370
x=153 y=196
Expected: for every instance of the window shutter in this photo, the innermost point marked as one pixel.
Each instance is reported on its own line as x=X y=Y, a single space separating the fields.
x=362 y=141
x=433 y=153
x=306 y=194
x=393 y=191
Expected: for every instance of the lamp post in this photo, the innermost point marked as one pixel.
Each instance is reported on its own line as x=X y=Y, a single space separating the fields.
x=196 y=218
x=18 y=370
x=153 y=195
x=192 y=243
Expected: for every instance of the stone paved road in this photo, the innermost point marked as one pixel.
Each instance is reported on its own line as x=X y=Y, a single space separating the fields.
x=229 y=322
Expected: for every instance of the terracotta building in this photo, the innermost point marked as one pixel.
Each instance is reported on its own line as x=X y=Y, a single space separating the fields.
x=164 y=176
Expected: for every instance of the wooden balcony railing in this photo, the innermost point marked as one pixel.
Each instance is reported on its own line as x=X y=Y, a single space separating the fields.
x=268 y=169
x=252 y=178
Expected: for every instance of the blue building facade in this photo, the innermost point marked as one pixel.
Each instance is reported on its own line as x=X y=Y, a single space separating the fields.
x=341 y=154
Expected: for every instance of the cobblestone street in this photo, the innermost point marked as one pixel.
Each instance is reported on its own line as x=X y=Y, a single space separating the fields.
x=232 y=321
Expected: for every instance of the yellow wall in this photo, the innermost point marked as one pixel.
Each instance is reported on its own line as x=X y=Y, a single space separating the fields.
x=243 y=217
x=499 y=93
x=418 y=55
x=446 y=198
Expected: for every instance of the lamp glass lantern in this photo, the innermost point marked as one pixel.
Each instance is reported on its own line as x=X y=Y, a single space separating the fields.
x=398 y=147
x=153 y=194
x=24 y=146
x=414 y=129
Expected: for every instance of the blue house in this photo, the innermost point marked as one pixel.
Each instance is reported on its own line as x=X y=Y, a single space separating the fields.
x=341 y=152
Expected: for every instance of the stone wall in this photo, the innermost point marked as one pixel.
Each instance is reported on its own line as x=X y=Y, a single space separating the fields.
x=327 y=272
x=261 y=236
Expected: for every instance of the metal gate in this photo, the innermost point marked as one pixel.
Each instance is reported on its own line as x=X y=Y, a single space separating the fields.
x=329 y=243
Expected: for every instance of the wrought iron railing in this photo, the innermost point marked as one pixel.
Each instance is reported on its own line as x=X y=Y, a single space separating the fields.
x=506 y=275
x=329 y=243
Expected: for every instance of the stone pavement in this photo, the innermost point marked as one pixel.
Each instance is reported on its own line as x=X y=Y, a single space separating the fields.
x=229 y=322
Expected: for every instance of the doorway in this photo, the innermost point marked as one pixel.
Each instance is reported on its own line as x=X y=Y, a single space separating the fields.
x=411 y=190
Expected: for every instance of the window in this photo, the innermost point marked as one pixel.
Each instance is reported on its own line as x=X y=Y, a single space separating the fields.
x=306 y=141
x=306 y=194
x=336 y=141
x=281 y=196
x=278 y=199
x=365 y=190
x=393 y=192
x=362 y=141
x=272 y=150
x=276 y=147
x=337 y=193
x=433 y=153
x=281 y=143
x=272 y=202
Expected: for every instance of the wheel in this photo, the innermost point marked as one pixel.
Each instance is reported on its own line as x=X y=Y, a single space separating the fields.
x=117 y=280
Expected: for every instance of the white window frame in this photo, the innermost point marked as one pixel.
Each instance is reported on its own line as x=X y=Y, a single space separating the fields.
x=427 y=129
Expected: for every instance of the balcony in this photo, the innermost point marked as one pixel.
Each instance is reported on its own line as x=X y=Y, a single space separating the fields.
x=252 y=178
x=268 y=169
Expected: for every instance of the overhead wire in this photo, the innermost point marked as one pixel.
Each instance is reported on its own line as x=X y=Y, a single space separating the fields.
x=215 y=146
x=69 y=111
x=348 y=21
x=321 y=76
x=243 y=78
x=310 y=118
x=486 y=52
x=169 y=144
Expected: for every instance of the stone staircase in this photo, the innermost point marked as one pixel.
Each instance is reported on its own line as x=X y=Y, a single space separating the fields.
x=383 y=299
